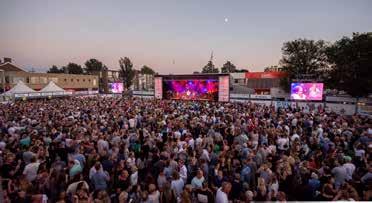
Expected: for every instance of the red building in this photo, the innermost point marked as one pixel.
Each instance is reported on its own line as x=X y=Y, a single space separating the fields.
x=262 y=82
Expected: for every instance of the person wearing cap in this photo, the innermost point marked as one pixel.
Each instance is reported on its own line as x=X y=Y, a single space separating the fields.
x=349 y=167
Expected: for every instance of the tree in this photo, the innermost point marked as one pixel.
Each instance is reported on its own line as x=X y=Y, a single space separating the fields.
x=209 y=68
x=303 y=58
x=147 y=70
x=73 y=68
x=351 y=64
x=55 y=69
x=241 y=70
x=228 y=67
x=126 y=71
x=93 y=65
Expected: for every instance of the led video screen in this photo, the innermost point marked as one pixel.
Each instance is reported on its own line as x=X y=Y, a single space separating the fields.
x=158 y=87
x=307 y=91
x=196 y=89
x=116 y=87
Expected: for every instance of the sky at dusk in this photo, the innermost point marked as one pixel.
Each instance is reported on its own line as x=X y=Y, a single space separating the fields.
x=171 y=36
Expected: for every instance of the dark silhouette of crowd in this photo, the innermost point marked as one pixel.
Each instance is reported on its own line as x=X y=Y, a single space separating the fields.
x=111 y=149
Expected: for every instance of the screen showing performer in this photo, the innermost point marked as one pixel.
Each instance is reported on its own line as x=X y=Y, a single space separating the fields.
x=191 y=89
x=307 y=91
x=116 y=87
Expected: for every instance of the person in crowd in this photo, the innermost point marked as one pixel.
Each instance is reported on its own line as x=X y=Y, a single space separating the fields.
x=222 y=193
x=197 y=181
x=113 y=149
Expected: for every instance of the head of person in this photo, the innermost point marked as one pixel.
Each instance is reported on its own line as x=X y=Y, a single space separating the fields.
x=152 y=188
x=175 y=175
x=249 y=195
x=281 y=197
x=299 y=90
x=97 y=166
x=226 y=187
x=199 y=174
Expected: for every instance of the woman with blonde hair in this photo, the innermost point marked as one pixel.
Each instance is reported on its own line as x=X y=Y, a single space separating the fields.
x=186 y=194
x=261 y=190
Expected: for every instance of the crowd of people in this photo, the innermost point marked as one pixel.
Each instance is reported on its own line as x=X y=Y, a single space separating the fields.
x=111 y=149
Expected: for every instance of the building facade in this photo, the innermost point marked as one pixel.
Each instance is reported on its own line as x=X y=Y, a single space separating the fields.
x=140 y=81
x=11 y=74
x=143 y=81
x=263 y=82
x=238 y=78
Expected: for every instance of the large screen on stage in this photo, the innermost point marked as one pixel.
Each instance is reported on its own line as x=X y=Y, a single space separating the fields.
x=193 y=89
x=307 y=91
x=158 y=88
x=116 y=87
x=224 y=88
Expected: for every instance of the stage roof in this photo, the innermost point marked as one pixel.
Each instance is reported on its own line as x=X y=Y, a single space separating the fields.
x=193 y=76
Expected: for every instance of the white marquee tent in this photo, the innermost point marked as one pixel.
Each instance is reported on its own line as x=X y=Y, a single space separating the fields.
x=52 y=87
x=20 y=88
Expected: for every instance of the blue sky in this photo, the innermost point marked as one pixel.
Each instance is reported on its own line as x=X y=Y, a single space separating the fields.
x=39 y=33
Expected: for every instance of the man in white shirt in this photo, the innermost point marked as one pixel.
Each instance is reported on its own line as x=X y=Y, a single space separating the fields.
x=132 y=123
x=177 y=184
x=31 y=169
x=294 y=137
x=102 y=145
x=294 y=122
x=283 y=143
x=222 y=192
x=183 y=170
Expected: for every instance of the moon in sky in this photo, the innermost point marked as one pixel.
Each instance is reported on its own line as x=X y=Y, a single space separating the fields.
x=226 y=20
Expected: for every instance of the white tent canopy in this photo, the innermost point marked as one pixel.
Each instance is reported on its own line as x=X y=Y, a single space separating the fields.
x=52 y=87
x=20 y=88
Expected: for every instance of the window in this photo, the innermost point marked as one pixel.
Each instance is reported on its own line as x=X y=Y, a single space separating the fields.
x=72 y=79
x=34 y=80
x=16 y=79
x=236 y=80
x=43 y=80
x=94 y=82
x=28 y=80
x=77 y=80
x=83 y=80
x=65 y=79
x=88 y=80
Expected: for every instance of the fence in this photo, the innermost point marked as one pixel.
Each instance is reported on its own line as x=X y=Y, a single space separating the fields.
x=34 y=95
x=341 y=104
